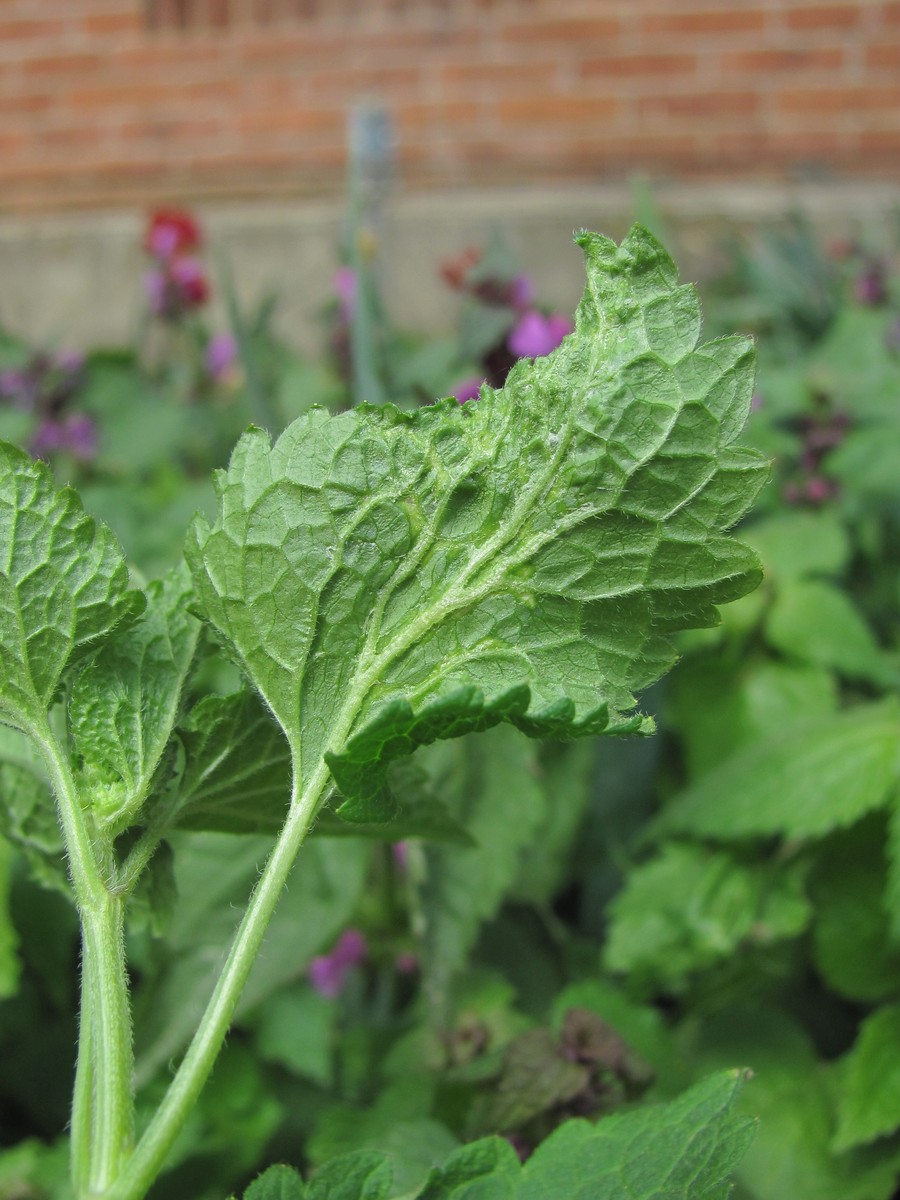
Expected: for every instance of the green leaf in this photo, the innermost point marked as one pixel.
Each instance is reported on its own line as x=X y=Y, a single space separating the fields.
x=490 y=786
x=690 y=908
x=484 y=1170
x=295 y=1027
x=803 y=783
x=684 y=1150
x=869 y=1096
x=852 y=947
x=63 y=586
x=125 y=702
x=719 y=706
x=278 y=1183
x=237 y=779
x=362 y=1176
x=815 y=622
x=9 y=962
x=28 y=812
x=387 y=578
x=791 y=1096
x=793 y=545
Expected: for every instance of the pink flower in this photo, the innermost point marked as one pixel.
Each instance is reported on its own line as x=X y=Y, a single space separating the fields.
x=406 y=963
x=521 y=292
x=188 y=277
x=77 y=434
x=328 y=973
x=534 y=334
x=468 y=389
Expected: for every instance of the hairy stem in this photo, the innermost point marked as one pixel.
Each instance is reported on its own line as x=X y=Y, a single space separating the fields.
x=149 y=1156
x=103 y=1106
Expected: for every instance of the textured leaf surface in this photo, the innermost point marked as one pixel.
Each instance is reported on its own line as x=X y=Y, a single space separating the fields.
x=869 y=1098
x=802 y=784
x=278 y=1183
x=684 y=1150
x=237 y=779
x=388 y=578
x=63 y=585
x=488 y=1169
x=124 y=703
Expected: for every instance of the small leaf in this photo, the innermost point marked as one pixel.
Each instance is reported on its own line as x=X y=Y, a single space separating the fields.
x=63 y=586
x=793 y=545
x=388 y=578
x=278 y=1183
x=125 y=701
x=802 y=784
x=362 y=1176
x=484 y=1170
x=28 y=812
x=869 y=1096
x=684 y=1150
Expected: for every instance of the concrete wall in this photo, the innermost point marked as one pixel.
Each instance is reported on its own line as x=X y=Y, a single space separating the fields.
x=75 y=279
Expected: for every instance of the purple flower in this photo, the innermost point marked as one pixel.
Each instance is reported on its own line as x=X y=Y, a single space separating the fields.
x=534 y=334
x=870 y=287
x=77 y=434
x=70 y=361
x=400 y=853
x=406 y=963
x=468 y=389
x=328 y=973
x=221 y=355
x=14 y=386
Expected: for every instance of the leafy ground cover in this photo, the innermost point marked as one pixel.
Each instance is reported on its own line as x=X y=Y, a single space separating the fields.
x=517 y=963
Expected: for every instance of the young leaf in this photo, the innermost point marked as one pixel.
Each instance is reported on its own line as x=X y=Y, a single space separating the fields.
x=869 y=1096
x=801 y=784
x=27 y=814
x=125 y=701
x=63 y=586
x=488 y=1169
x=278 y=1183
x=684 y=1150
x=387 y=578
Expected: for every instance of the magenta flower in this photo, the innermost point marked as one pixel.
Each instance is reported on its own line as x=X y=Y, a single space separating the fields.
x=406 y=963
x=190 y=280
x=328 y=973
x=534 y=334
x=870 y=287
x=400 y=853
x=468 y=389
x=221 y=355
x=77 y=434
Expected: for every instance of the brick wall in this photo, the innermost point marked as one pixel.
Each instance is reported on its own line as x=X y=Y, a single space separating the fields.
x=110 y=102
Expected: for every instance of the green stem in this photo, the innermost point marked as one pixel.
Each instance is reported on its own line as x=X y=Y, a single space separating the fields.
x=103 y=1107
x=148 y=1158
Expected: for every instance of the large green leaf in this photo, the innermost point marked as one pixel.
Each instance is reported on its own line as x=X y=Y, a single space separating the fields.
x=869 y=1096
x=125 y=701
x=803 y=783
x=387 y=578
x=63 y=586
x=684 y=1150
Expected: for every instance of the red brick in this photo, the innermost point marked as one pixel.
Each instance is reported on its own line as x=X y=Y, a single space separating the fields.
x=700 y=104
x=885 y=55
x=771 y=61
x=825 y=16
x=543 y=110
x=839 y=99
x=698 y=22
x=573 y=30
x=638 y=65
